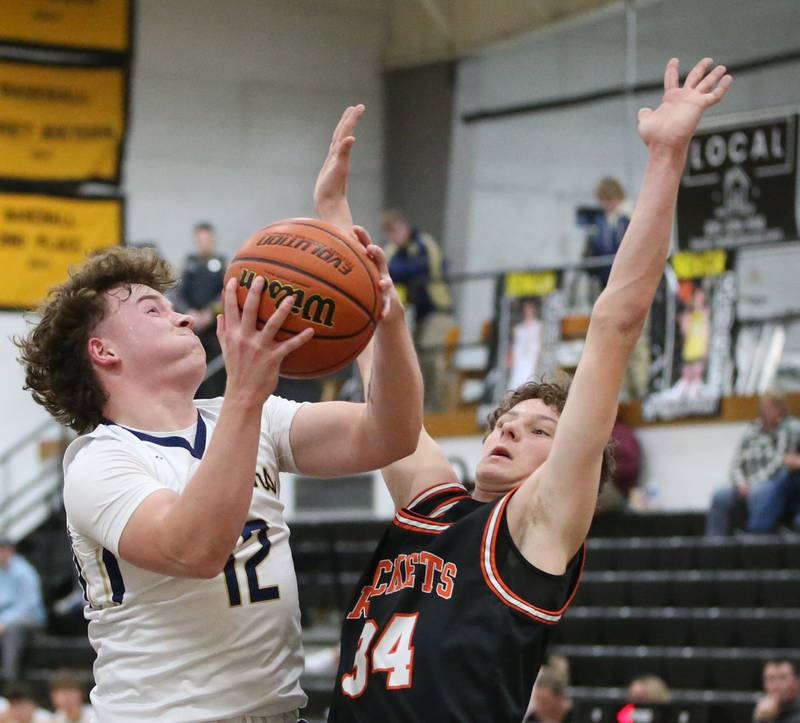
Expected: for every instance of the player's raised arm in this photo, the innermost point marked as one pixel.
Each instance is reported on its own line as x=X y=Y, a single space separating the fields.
x=336 y=438
x=426 y=466
x=550 y=515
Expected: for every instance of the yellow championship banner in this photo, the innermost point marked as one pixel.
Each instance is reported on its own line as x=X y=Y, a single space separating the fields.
x=693 y=265
x=530 y=283
x=42 y=236
x=60 y=123
x=86 y=24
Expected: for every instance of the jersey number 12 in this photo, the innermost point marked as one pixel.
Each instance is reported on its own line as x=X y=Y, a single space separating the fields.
x=259 y=528
x=393 y=654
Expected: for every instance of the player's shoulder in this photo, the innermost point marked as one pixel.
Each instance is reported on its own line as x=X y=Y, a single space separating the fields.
x=436 y=508
x=102 y=439
x=435 y=496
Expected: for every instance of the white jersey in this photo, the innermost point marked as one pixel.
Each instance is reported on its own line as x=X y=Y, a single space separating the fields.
x=185 y=649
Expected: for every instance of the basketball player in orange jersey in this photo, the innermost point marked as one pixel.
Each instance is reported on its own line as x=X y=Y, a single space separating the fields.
x=450 y=620
x=173 y=504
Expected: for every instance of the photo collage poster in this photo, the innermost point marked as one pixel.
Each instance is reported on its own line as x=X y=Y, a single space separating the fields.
x=691 y=333
x=529 y=310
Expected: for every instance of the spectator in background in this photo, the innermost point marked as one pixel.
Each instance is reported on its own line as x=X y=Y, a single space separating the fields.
x=416 y=266
x=21 y=706
x=68 y=696
x=627 y=463
x=21 y=607
x=550 y=702
x=605 y=234
x=781 y=700
x=198 y=294
x=646 y=689
x=761 y=481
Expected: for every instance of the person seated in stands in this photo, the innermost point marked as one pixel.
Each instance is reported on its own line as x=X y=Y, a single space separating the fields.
x=68 y=696
x=647 y=689
x=628 y=459
x=781 y=700
x=21 y=706
x=21 y=607
x=760 y=481
x=550 y=702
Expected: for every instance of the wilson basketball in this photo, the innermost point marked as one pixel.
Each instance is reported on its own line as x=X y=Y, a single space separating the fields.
x=334 y=282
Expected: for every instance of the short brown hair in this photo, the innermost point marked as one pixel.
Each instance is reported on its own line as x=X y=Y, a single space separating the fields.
x=65 y=679
x=554 y=395
x=609 y=189
x=58 y=371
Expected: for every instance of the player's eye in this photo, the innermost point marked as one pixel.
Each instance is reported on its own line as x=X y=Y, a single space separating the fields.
x=541 y=432
x=152 y=310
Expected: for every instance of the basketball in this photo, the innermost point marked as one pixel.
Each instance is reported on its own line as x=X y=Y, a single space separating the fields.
x=334 y=282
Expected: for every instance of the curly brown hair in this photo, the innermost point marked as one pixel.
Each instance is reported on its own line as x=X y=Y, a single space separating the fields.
x=58 y=372
x=554 y=395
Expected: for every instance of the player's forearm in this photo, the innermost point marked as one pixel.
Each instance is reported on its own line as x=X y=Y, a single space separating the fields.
x=208 y=516
x=394 y=390
x=639 y=262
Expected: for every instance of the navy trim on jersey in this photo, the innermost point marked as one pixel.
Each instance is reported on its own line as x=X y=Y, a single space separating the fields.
x=199 y=439
x=115 y=576
x=81 y=578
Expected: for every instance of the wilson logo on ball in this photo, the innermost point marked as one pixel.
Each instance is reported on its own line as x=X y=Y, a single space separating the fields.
x=314 y=308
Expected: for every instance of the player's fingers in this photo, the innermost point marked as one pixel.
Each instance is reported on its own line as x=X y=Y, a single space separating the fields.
x=643 y=113
x=385 y=286
x=350 y=122
x=337 y=131
x=287 y=347
x=229 y=305
x=379 y=258
x=671 y=79
x=252 y=302
x=275 y=321
x=344 y=147
x=697 y=73
x=221 y=330
x=722 y=88
x=362 y=236
x=708 y=83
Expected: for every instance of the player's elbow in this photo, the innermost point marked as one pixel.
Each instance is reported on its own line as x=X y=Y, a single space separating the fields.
x=621 y=316
x=201 y=563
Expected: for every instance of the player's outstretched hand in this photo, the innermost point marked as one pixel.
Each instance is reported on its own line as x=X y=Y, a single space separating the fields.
x=674 y=122
x=330 y=190
x=253 y=357
x=392 y=307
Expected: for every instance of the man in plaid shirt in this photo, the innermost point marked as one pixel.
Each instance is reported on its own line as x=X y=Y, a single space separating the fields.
x=763 y=473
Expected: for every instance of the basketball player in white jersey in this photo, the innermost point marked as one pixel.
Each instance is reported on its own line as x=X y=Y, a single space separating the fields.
x=173 y=505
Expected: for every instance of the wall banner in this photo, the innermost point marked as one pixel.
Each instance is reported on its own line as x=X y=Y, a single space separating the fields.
x=740 y=183
x=691 y=327
x=61 y=123
x=96 y=25
x=42 y=236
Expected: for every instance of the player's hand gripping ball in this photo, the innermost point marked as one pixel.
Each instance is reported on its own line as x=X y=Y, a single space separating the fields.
x=334 y=282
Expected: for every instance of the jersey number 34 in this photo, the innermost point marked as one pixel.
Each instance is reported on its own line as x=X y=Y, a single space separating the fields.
x=392 y=654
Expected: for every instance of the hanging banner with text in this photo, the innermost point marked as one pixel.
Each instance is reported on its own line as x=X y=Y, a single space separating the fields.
x=42 y=236
x=102 y=25
x=691 y=329
x=740 y=183
x=61 y=123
